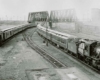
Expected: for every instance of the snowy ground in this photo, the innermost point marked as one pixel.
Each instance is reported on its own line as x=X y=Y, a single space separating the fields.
x=17 y=57
x=65 y=58
x=56 y=74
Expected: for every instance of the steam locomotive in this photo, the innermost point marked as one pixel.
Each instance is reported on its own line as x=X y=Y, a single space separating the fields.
x=84 y=49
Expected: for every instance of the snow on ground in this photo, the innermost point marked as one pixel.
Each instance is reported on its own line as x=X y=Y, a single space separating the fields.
x=16 y=57
x=61 y=56
x=19 y=57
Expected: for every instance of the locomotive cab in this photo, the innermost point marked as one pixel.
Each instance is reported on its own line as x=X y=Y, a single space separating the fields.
x=97 y=50
x=96 y=56
x=0 y=37
x=86 y=47
x=90 y=51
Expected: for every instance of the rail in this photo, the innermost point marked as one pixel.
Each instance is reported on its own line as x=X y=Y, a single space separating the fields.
x=56 y=63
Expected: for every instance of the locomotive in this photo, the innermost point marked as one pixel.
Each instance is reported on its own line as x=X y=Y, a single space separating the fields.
x=84 y=49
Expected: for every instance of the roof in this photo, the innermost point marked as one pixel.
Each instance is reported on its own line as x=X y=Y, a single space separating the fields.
x=87 y=41
x=7 y=27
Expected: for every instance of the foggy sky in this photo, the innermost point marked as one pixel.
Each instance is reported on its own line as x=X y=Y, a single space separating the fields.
x=19 y=9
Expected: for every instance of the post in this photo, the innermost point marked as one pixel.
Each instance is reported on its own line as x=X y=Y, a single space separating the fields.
x=46 y=33
x=50 y=24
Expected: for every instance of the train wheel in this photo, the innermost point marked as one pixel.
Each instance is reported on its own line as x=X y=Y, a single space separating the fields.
x=58 y=46
x=51 y=42
x=71 y=53
x=43 y=41
x=77 y=55
x=66 y=50
x=87 y=60
x=94 y=64
x=81 y=58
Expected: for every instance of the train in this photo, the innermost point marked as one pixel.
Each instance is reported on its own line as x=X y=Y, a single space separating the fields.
x=33 y=19
x=7 y=33
x=84 y=49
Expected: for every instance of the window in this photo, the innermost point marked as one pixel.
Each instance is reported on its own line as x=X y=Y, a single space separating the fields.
x=82 y=45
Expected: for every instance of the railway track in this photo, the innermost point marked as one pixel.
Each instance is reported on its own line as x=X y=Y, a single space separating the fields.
x=56 y=63
x=87 y=65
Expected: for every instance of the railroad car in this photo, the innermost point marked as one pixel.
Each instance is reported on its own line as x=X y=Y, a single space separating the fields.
x=84 y=49
x=9 y=32
x=72 y=45
x=34 y=18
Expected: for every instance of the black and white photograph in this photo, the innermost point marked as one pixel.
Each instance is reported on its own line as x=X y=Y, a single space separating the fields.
x=49 y=39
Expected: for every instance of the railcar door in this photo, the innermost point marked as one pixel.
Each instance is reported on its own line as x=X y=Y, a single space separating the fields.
x=4 y=37
x=0 y=38
x=72 y=46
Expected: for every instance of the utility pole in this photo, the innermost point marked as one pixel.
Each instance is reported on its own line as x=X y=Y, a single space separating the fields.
x=46 y=31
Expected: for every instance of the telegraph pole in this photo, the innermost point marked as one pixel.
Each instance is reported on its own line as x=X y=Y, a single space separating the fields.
x=46 y=31
x=46 y=36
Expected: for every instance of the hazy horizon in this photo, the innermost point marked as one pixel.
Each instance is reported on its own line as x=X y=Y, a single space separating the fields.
x=19 y=9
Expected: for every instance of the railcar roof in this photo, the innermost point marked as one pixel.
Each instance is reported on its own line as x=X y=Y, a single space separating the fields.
x=88 y=41
x=8 y=27
x=57 y=32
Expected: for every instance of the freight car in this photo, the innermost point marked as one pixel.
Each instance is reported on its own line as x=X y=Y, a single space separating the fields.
x=84 y=49
x=9 y=32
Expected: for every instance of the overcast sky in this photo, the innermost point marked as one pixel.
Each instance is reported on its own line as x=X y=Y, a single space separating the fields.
x=19 y=9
